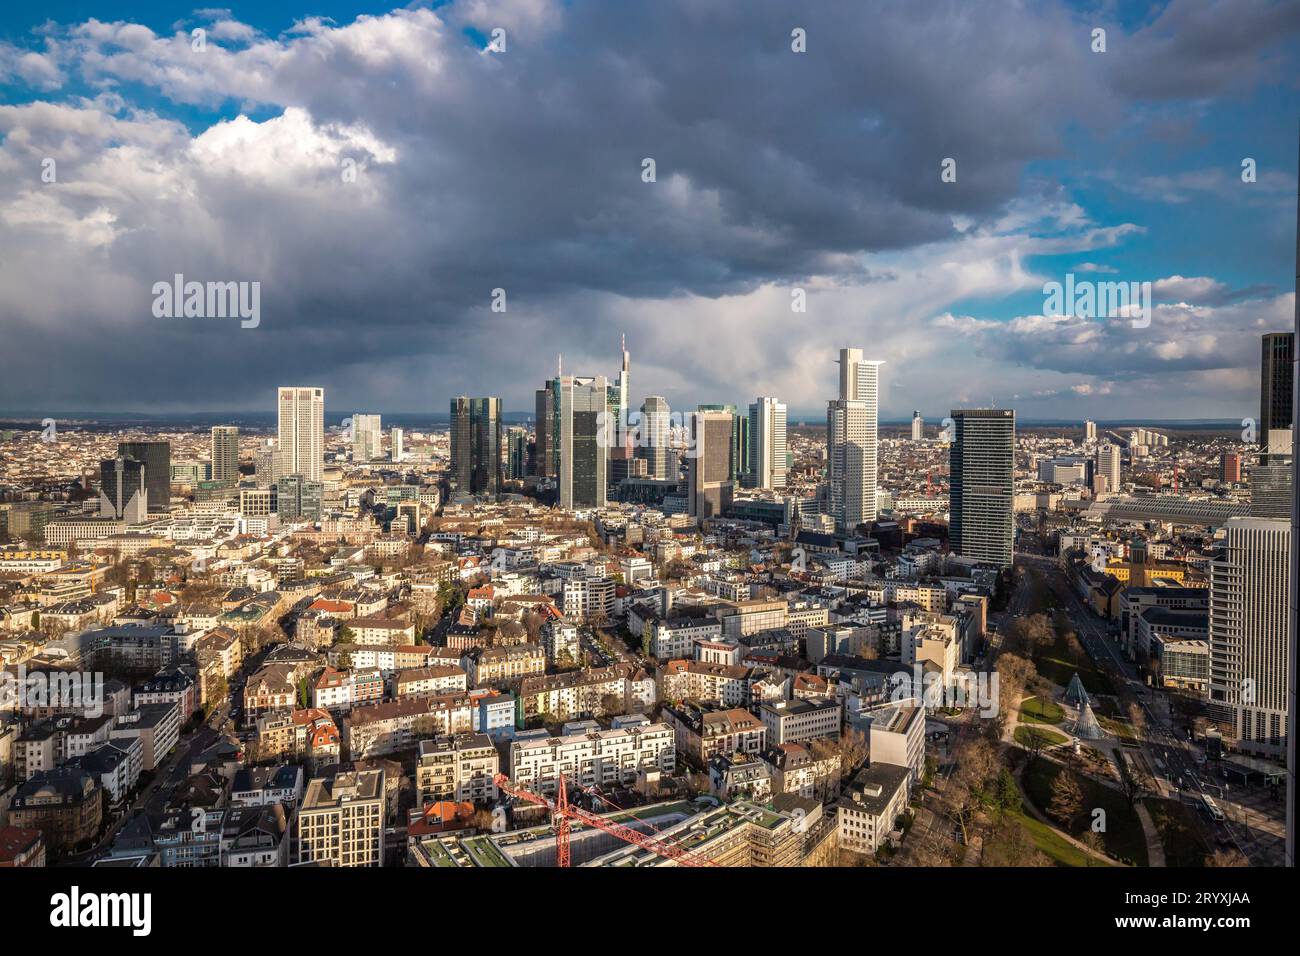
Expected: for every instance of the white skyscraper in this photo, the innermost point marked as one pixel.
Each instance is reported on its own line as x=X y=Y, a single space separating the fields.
x=767 y=454
x=852 y=441
x=301 y=432
x=1108 y=466
x=1249 y=650
x=225 y=453
x=396 y=451
x=367 y=437
x=1089 y=431
x=918 y=426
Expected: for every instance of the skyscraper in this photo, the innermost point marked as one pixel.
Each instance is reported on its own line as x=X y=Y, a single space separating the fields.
x=545 y=454
x=848 y=436
x=1276 y=382
x=654 y=448
x=225 y=453
x=266 y=460
x=583 y=434
x=852 y=441
x=301 y=432
x=982 y=487
x=157 y=459
x=367 y=437
x=396 y=451
x=709 y=485
x=918 y=426
x=517 y=452
x=1249 y=638
x=1089 y=431
x=123 y=490
x=1109 y=466
x=476 y=445
x=767 y=454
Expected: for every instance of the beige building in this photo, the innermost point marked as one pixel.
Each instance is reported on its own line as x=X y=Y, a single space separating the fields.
x=459 y=767
x=597 y=758
x=341 y=821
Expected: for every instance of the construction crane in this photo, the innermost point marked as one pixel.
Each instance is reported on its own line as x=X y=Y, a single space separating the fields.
x=564 y=813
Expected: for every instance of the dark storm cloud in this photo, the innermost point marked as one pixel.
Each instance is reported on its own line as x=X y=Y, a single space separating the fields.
x=520 y=171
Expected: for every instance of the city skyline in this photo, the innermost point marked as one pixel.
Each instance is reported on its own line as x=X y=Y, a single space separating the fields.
x=849 y=208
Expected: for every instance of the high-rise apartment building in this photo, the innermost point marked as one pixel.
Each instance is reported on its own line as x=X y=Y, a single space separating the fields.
x=982 y=485
x=767 y=442
x=1089 y=431
x=1276 y=382
x=225 y=454
x=656 y=421
x=918 y=426
x=397 y=449
x=709 y=486
x=1249 y=637
x=301 y=432
x=476 y=445
x=367 y=437
x=584 y=431
x=157 y=459
x=852 y=441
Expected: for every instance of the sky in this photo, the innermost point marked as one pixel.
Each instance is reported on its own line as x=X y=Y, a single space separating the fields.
x=380 y=170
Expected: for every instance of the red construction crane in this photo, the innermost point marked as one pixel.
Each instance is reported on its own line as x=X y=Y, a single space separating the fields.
x=564 y=813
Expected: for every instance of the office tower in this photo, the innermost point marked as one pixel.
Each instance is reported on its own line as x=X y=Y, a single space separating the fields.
x=476 y=445
x=301 y=432
x=742 y=468
x=1276 y=382
x=981 y=483
x=298 y=498
x=654 y=447
x=739 y=440
x=1089 y=431
x=225 y=454
x=517 y=452
x=157 y=459
x=918 y=426
x=396 y=451
x=767 y=425
x=265 y=461
x=850 y=433
x=852 y=441
x=367 y=437
x=1249 y=640
x=544 y=457
x=1109 y=466
x=1270 y=480
x=124 y=489
x=583 y=433
x=1230 y=467
x=708 y=465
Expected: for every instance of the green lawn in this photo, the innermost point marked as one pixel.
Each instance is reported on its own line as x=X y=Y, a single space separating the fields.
x=1041 y=710
x=1055 y=847
x=1050 y=738
x=1178 y=833
x=1123 y=838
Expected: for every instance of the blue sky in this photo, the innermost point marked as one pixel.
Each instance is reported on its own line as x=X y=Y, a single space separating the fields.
x=521 y=170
